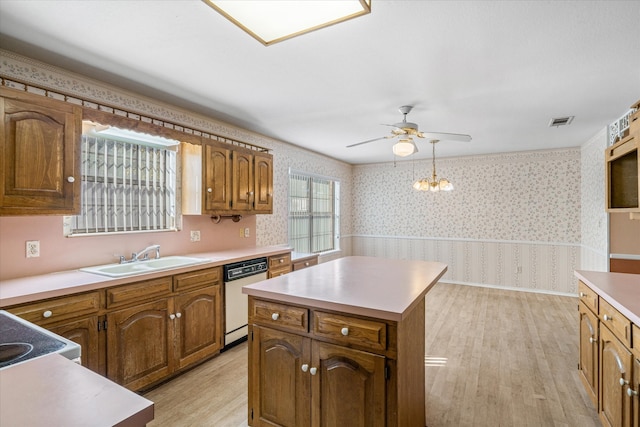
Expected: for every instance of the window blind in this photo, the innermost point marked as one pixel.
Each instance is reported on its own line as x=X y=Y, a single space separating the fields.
x=125 y=187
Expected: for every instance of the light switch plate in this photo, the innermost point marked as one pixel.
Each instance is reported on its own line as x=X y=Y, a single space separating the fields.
x=33 y=248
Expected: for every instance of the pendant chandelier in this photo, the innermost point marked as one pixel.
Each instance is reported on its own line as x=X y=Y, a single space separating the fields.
x=433 y=183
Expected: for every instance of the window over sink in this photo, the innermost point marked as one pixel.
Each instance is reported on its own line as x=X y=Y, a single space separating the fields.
x=314 y=213
x=128 y=182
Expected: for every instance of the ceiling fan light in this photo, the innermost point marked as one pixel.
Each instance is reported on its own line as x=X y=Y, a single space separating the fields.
x=405 y=147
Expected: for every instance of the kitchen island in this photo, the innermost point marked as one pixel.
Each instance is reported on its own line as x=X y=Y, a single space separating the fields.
x=340 y=343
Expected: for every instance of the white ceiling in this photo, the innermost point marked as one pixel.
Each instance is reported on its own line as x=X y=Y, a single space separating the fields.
x=497 y=70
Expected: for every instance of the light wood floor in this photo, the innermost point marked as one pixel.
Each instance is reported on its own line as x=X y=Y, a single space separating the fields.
x=494 y=358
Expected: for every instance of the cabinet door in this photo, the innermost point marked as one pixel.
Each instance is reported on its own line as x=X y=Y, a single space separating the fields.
x=217 y=178
x=263 y=183
x=39 y=154
x=84 y=332
x=139 y=345
x=199 y=324
x=348 y=388
x=588 y=366
x=635 y=392
x=615 y=364
x=242 y=199
x=278 y=386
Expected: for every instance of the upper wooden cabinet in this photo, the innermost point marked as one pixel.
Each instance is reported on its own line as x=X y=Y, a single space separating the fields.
x=39 y=155
x=220 y=179
x=622 y=159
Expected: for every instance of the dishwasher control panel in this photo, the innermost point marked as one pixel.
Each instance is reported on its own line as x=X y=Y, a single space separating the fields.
x=238 y=270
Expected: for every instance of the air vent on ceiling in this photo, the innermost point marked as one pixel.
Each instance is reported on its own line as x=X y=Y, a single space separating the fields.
x=560 y=121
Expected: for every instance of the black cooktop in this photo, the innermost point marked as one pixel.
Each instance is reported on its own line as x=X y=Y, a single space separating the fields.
x=20 y=340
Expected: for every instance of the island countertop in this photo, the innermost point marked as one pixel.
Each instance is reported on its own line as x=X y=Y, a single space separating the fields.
x=368 y=286
x=621 y=290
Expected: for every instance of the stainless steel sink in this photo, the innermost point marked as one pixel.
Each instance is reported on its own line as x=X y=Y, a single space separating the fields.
x=142 y=267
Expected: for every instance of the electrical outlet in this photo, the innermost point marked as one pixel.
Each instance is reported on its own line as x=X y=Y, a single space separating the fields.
x=195 y=236
x=33 y=248
x=247 y=232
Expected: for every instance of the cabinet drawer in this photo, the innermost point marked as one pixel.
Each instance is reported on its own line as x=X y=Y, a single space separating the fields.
x=299 y=265
x=50 y=311
x=197 y=279
x=588 y=296
x=279 y=260
x=275 y=272
x=635 y=340
x=140 y=291
x=282 y=315
x=616 y=322
x=350 y=330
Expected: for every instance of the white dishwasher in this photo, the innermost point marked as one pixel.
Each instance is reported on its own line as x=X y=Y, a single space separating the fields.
x=237 y=275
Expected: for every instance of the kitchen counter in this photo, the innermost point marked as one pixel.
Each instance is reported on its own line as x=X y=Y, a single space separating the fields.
x=53 y=391
x=34 y=288
x=621 y=290
x=374 y=287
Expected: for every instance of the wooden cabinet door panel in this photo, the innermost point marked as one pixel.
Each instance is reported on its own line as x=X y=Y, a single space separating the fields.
x=217 y=178
x=83 y=332
x=242 y=199
x=615 y=364
x=588 y=369
x=279 y=388
x=348 y=388
x=138 y=344
x=263 y=183
x=39 y=155
x=199 y=323
x=635 y=392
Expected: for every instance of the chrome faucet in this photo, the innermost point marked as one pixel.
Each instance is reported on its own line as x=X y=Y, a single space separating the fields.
x=136 y=255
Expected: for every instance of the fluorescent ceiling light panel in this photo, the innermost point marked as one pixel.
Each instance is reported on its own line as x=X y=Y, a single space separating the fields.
x=270 y=22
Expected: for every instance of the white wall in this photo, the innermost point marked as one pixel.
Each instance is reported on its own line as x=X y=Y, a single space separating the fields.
x=512 y=221
x=594 y=220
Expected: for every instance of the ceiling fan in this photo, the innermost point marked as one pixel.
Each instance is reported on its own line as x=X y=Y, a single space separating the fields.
x=405 y=130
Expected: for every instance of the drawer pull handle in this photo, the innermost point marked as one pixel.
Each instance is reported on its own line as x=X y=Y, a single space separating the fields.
x=592 y=340
x=275 y=316
x=305 y=367
x=71 y=179
x=631 y=392
x=608 y=317
x=281 y=260
x=47 y=314
x=344 y=331
x=178 y=315
x=582 y=294
x=306 y=264
x=313 y=371
x=172 y=316
x=209 y=190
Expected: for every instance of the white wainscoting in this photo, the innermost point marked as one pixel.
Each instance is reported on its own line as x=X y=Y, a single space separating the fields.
x=526 y=266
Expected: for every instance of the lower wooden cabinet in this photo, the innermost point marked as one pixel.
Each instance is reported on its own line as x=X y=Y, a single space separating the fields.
x=318 y=384
x=85 y=332
x=634 y=390
x=279 y=265
x=588 y=365
x=615 y=372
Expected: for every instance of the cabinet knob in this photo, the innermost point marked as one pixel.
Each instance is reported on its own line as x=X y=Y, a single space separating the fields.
x=304 y=367
x=344 y=331
x=281 y=260
x=178 y=315
x=623 y=382
x=209 y=190
x=306 y=264
x=606 y=317
x=631 y=392
x=71 y=179
x=275 y=316
x=47 y=314
x=592 y=340
x=582 y=294
x=313 y=371
x=172 y=316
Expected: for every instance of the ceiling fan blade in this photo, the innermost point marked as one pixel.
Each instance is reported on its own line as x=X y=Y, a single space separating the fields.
x=366 y=142
x=443 y=136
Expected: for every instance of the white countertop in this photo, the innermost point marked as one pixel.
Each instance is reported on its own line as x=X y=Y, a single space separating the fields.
x=33 y=288
x=621 y=290
x=375 y=287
